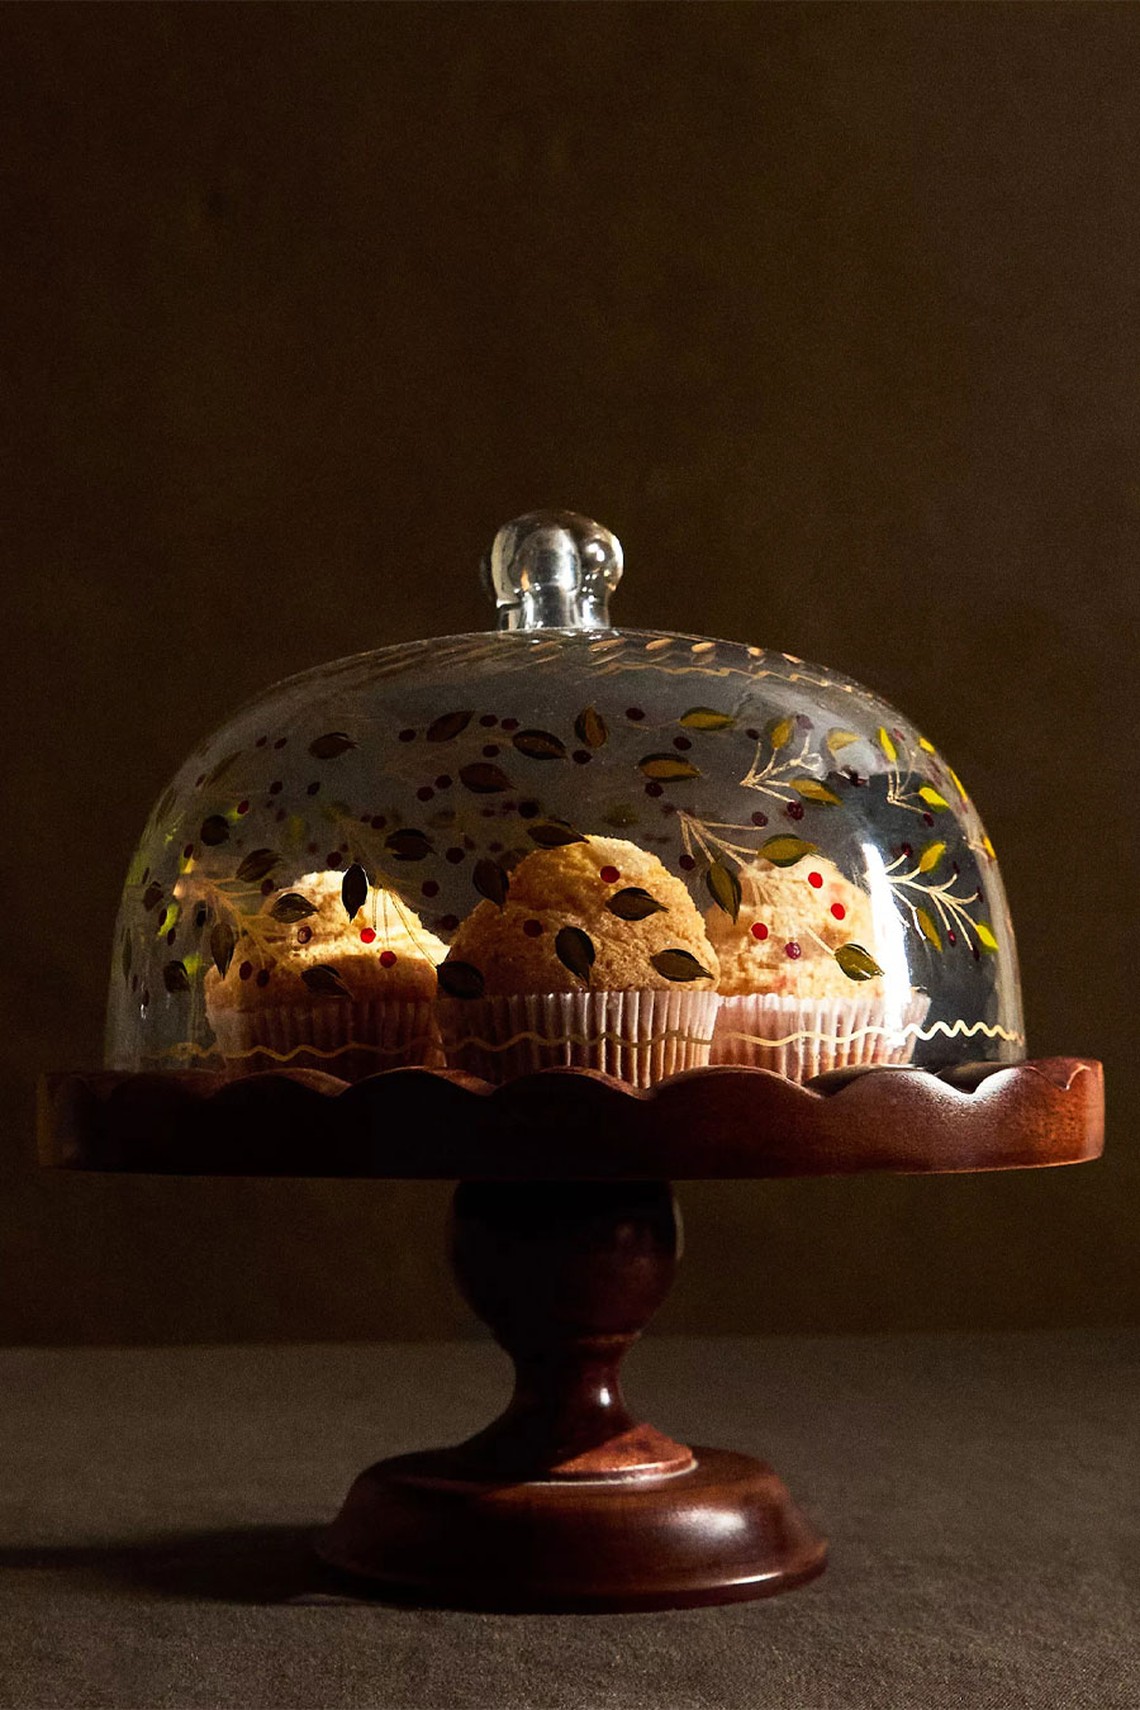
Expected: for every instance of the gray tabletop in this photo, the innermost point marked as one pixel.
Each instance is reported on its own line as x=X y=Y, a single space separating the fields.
x=979 y=1494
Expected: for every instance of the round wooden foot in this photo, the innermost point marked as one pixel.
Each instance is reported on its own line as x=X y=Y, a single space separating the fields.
x=723 y=1531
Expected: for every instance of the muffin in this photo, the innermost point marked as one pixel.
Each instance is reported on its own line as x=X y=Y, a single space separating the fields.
x=592 y=956
x=304 y=984
x=801 y=989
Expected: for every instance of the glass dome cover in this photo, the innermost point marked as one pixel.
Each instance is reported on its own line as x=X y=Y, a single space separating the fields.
x=563 y=843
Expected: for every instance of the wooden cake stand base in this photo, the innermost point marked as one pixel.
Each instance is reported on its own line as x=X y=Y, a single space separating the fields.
x=564 y=1240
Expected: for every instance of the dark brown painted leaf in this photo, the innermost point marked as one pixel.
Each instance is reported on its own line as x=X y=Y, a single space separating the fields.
x=633 y=903
x=539 y=745
x=575 y=950
x=292 y=907
x=223 y=767
x=175 y=978
x=222 y=942
x=213 y=831
x=460 y=980
x=152 y=896
x=668 y=767
x=490 y=881
x=448 y=727
x=325 y=980
x=590 y=728
x=707 y=718
x=408 y=845
x=331 y=746
x=484 y=779
x=257 y=864
x=354 y=889
x=127 y=955
x=552 y=834
x=724 y=888
x=679 y=965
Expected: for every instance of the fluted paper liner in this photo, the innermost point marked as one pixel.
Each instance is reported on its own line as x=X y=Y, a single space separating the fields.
x=803 y=1037
x=346 y=1037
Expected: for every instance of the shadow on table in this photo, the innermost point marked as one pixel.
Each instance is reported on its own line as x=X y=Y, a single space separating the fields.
x=254 y=1564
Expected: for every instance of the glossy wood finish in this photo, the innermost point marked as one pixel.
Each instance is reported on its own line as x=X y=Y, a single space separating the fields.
x=574 y=1124
x=566 y=1501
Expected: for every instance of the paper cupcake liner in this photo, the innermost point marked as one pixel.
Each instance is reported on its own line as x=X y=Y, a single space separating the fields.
x=803 y=1037
x=351 y=1039
x=637 y=1036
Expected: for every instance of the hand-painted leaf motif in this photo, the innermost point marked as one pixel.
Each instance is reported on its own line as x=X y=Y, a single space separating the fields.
x=706 y=718
x=838 y=740
x=175 y=978
x=539 y=745
x=449 y=726
x=886 y=744
x=935 y=802
x=483 y=779
x=257 y=864
x=575 y=950
x=620 y=816
x=668 y=767
x=857 y=963
x=491 y=881
x=927 y=747
x=724 y=888
x=786 y=851
x=331 y=746
x=988 y=847
x=292 y=907
x=222 y=942
x=780 y=733
x=813 y=791
x=590 y=728
x=634 y=903
x=958 y=784
x=223 y=767
x=552 y=834
x=928 y=929
x=985 y=935
x=152 y=896
x=354 y=888
x=126 y=955
x=460 y=980
x=408 y=845
x=325 y=980
x=213 y=831
x=930 y=857
x=679 y=965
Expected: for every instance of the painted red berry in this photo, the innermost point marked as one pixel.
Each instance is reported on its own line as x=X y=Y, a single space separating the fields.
x=276 y=787
x=815 y=880
x=687 y=862
x=449 y=922
x=488 y=719
x=424 y=793
x=443 y=782
x=367 y=936
x=304 y=933
x=532 y=928
x=281 y=741
x=245 y=971
x=263 y=977
x=682 y=742
x=387 y=958
x=334 y=858
x=243 y=807
x=610 y=875
x=759 y=930
x=655 y=789
x=261 y=741
x=634 y=713
x=407 y=736
x=430 y=888
x=510 y=724
x=795 y=810
x=759 y=818
x=455 y=856
x=581 y=756
x=839 y=911
x=792 y=950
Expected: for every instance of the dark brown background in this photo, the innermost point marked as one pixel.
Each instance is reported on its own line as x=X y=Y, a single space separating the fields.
x=831 y=312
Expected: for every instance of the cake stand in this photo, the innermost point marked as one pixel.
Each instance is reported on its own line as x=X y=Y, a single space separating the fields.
x=564 y=1239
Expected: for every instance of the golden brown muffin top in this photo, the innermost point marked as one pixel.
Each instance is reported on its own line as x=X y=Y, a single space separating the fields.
x=791 y=923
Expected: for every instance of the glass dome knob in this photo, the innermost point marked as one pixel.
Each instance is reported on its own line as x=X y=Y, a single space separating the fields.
x=553 y=570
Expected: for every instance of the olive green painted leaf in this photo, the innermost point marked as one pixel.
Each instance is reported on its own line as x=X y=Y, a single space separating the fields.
x=408 y=845
x=786 y=851
x=331 y=746
x=483 y=779
x=985 y=935
x=539 y=745
x=929 y=930
x=552 y=834
x=724 y=888
x=222 y=942
x=213 y=831
x=590 y=728
x=175 y=978
x=620 y=816
x=575 y=950
x=127 y=955
x=935 y=802
x=633 y=903
x=490 y=881
x=886 y=744
x=668 y=766
x=958 y=784
x=838 y=740
x=223 y=767
x=325 y=980
x=706 y=718
x=257 y=864
x=780 y=734
x=857 y=963
x=152 y=896
x=449 y=726
x=292 y=907
x=460 y=980
x=354 y=888
x=813 y=791
x=679 y=965
x=930 y=857
x=927 y=747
